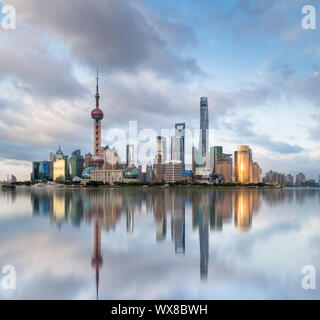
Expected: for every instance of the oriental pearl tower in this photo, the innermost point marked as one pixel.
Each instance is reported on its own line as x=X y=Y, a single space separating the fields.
x=97 y=115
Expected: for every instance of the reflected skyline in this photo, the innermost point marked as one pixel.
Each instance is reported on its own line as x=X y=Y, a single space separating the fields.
x=189 y=222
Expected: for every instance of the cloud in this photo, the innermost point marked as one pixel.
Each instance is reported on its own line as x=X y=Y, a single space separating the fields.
x=114 y=34
x=243 y=132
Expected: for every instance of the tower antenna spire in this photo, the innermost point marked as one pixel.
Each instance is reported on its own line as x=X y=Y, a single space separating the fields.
x=97 y=79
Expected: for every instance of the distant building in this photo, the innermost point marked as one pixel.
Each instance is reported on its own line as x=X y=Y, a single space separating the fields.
x=158 y=169
x=35 y=171
x=217 y=154
x=257 y=173
x=161 y=143
x=45 y=170
x=87 y=160
x=59 y=170
x=104 y=176
x=204 y=127
x=60 y=167
x=223 y=166
x=187 y=176
x=111 y=158
x=289 y=180
x=131 y=174
x=173 y=171
x=178 y=143
x=243 y=165
x=129 y=155
x=75 y=164
x=300 y=179
x=149 y=173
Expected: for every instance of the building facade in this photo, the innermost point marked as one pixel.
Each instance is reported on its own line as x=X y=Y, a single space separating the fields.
x=204 y=126
x=243 y=165
x=109 y=176
x=178 y=143
x=224 y=167
x=173 y=171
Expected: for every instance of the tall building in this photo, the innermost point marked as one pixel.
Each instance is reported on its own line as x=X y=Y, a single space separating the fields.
x=35 y=171
x=173 y=171
x=217 y=154
x=243 y=165
x=129 y=155
x=178 y=143
x=204 y=126
x=87 y=160
x=161 y=143
x=224 y=167
x=60 y=171
x=97 y=115
x=75 y=164
x=45 y=168
x=257 y=173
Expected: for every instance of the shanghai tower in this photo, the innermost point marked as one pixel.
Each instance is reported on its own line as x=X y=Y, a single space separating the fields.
x=204 y=126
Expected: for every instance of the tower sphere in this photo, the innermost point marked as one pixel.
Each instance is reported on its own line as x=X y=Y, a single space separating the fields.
x=97 y=162
x=97 y=114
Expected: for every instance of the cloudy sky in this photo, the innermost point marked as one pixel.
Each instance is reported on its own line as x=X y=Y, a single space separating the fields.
x=252 y=59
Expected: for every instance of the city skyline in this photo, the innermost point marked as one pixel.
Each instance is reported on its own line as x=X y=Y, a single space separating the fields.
x=255 y=97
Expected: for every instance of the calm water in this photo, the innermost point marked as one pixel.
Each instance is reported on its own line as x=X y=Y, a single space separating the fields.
x=159 y=243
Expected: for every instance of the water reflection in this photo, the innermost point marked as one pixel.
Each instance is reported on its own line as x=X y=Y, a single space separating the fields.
x=180 y=212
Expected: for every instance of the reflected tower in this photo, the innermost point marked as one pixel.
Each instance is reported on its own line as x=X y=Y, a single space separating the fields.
x=97 y=260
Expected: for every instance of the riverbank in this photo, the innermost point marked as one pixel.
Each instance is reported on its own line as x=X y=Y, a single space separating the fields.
x=101 y=185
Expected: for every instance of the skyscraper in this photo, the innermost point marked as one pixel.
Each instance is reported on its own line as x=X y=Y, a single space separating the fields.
x=97 y=116
x=161 y=143
x=75 y=164
x=204 y=126
x=217 y=154
x=129 y=155
x=177 y=143
x=243 y=165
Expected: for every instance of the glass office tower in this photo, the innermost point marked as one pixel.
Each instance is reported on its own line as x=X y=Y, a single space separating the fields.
x=204 y=126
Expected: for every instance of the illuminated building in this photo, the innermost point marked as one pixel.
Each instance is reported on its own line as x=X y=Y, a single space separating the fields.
x=243 y=165
x=59 y=170
x=97 y=115
x=223 y=166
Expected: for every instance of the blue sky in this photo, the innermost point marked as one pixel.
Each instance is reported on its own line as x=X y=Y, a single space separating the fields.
x=258 y=67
